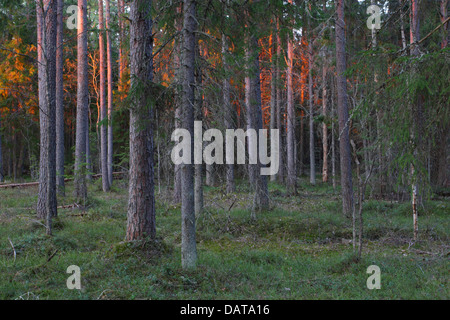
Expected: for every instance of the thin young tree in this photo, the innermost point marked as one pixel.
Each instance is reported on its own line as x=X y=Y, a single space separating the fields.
x=417 y=113
x=324 y=125
x=60 y=100
x=178 y=94
x=102 y=95
x=280 y=109
x=291 y=174
x=343 y=115
x=198 y=169
x=122 y=60
x=141 y=198
x=312 y=158
x=229 y=111
x=110 y=92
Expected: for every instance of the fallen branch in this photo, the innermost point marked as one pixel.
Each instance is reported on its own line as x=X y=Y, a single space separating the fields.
x=13 y=249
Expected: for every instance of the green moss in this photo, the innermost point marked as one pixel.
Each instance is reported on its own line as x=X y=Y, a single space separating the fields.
x=299 y=249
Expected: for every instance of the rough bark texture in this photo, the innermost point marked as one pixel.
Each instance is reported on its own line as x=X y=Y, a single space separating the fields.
x=60 y=101
x=141 y=198
x=102 y=95
x=49 y=39
x=42 y=192
x=110 y=94
x=344 y=138
x=188 y=242
x=80 y=189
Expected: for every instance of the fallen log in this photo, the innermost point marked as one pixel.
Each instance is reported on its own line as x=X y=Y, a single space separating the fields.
x=33 y=184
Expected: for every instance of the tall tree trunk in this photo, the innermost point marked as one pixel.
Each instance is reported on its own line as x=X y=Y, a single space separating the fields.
x=122 y=60
x=261 y=199
x=250 y=122
x=60 y=101
x=312 y=159
x=416 y=114
x=291 y=174
x=141 y=198
x=80 y=190
x=102 y=93
x=273 y=88
x=333 y=139
x=49 y=41
x=324 y=125
x=188 y=242
x=229 y=113
x=280 y=111
x=2 y=177
x=198 y=96
x=110 y=93
x=178 y=94
x=42 y=192
x=344 y=137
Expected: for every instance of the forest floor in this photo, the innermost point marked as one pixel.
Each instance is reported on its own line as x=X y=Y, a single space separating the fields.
x=300 y=248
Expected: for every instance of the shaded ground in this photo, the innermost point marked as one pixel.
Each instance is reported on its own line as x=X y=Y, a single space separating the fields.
x=299 y=249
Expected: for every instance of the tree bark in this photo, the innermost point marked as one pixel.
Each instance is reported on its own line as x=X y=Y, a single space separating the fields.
x=291 y=174
x=80 y=189
x=188 y=242
x=2 y=177
x=178 y=94
x=280 y=111
x=229 y=113
x=49 y=41
x=60 y=100
x=261 y=199
x=122 y=61
x=141 y=198
x=42 y=192
x=110 y=94
x=324 y=125
x=344 y=134
x=273 y=87
x=102 y=94
x=312 y=159
x=417 y=112
x=198 y=96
